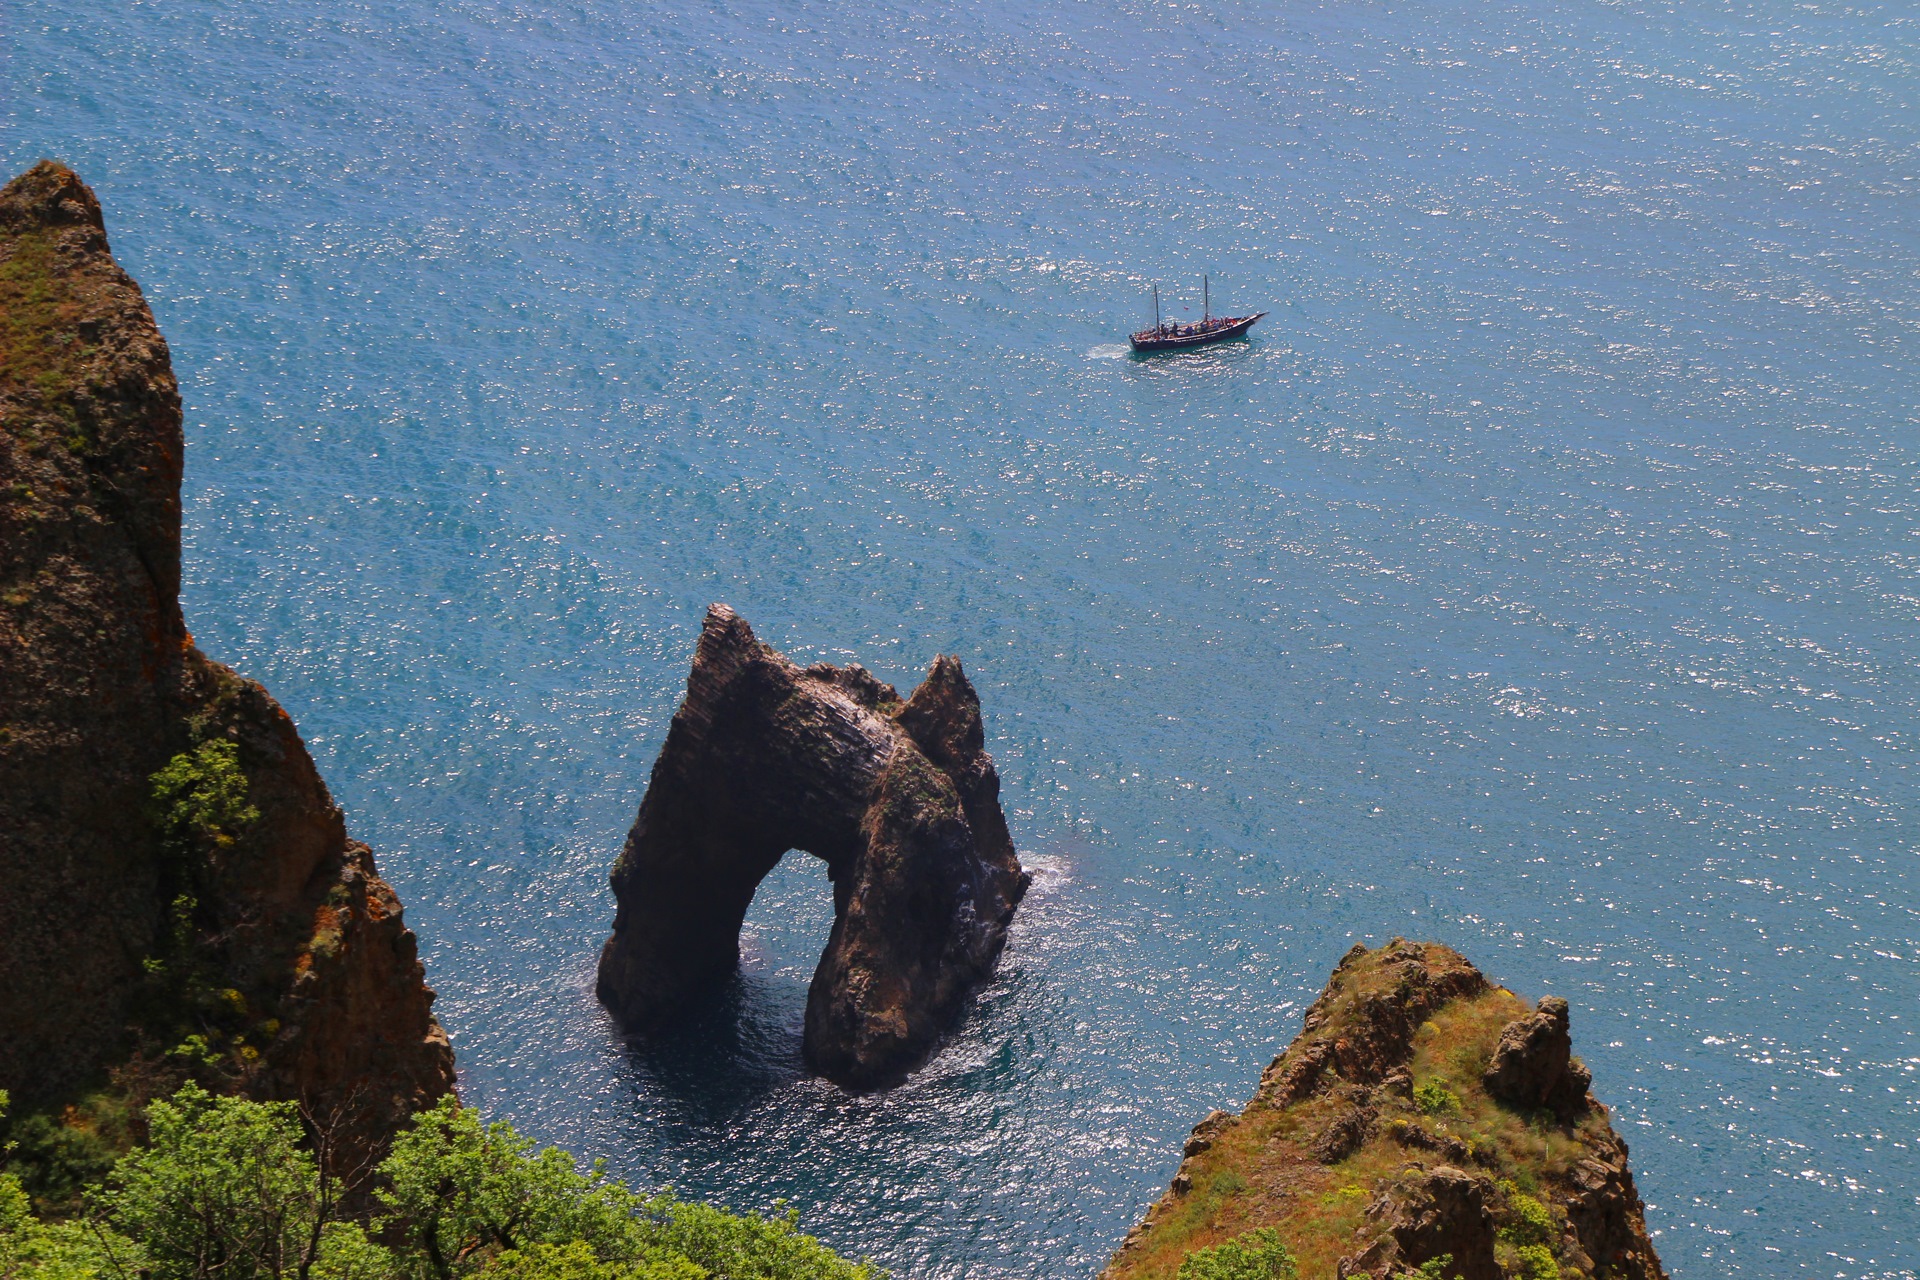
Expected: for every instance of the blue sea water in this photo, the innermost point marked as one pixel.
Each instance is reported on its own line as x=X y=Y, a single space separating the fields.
x=1540 y=578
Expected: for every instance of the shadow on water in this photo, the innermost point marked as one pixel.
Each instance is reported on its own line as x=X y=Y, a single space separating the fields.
x=740 y=1047
x=1216 y=358
x=737 y=1045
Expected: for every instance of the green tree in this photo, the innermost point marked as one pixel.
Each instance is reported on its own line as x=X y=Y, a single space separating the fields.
x=56 y=1251
x=1258 y=1255
x=743 y=1246
x=345 y=1253
x=223 y=1189
x=57 y=1162
x=63 y=1250
x=576 y=1261
x=228 y=1189
x=458 y=1192
x=200 y=808
x=462 y=1195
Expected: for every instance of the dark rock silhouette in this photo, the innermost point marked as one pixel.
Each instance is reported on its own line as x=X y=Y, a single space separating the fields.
x=286 y=926
x=899 y=798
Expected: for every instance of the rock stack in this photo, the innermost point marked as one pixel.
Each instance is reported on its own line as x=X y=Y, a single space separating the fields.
x=898 y=796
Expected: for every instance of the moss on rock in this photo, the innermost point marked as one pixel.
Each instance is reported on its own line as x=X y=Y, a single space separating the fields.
x=1419 y=1171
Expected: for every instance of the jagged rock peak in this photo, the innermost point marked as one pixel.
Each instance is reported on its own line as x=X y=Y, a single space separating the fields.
x=272 y=933
x=1421 y=1113
x=49 y=195
x=87 y=387
x=899 y=797
x=1533 y=1065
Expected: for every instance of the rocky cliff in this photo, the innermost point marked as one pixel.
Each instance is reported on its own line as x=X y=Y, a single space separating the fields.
x=178 y=893
x=1423 y=1118
x=898 y=796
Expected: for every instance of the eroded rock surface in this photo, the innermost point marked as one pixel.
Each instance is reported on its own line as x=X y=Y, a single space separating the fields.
x=1533 y=1065
x=276 y=941
x=901 y=800
x=1441 y=1212
x=1422 y=1113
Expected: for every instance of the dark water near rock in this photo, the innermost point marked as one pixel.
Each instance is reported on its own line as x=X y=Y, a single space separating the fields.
x=1541 y=578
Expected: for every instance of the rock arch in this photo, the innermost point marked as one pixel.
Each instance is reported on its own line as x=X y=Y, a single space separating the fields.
x=901 y=800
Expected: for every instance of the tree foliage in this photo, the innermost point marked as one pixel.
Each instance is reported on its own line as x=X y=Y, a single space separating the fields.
x=1258 y=1255
x=460 y=1192
x=222 y=1189
x=200 y=800
x=229 y=1189
x=57 y=1250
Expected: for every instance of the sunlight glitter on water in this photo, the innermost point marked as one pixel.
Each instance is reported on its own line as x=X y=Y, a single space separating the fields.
x=1536 y=578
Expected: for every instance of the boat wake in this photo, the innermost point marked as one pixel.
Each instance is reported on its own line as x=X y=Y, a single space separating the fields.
x=1107 y=351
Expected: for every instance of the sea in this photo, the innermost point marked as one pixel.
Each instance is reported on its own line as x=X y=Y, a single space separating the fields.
x=1541 y=577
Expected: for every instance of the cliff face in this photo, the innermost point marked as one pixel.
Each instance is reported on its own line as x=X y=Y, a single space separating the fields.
x=177 y=889
x=899 y=797
x=1422 y=1113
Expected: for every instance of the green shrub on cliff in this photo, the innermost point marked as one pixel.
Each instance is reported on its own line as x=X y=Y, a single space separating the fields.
x=201 y=802
x=1532 y=1221
x=1435 y=1099
x=1535 y=1262
x=225 y=1189
x=1257 y=1255
x=188 y=1018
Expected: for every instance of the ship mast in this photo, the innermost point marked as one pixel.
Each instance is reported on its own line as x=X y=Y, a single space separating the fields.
x=1206 y=299
x=1156 y=305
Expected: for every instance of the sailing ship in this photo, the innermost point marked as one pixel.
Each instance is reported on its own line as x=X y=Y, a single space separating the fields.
x=1174 y=336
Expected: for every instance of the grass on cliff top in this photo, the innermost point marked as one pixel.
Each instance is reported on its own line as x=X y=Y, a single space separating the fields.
x=39 y=309
x=1262 y=1172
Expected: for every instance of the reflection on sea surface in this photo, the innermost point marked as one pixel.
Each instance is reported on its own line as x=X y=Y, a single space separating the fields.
x=1536 y=577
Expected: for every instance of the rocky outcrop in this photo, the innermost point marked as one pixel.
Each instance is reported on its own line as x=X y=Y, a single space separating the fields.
x=1422 y=1118
x=177 y=889
x=900 y=799
x=1533 y=1065
x=1375 y=1035
x=1425 y=1214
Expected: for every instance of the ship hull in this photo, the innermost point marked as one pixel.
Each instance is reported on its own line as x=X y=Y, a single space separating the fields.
x=1149 y=340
